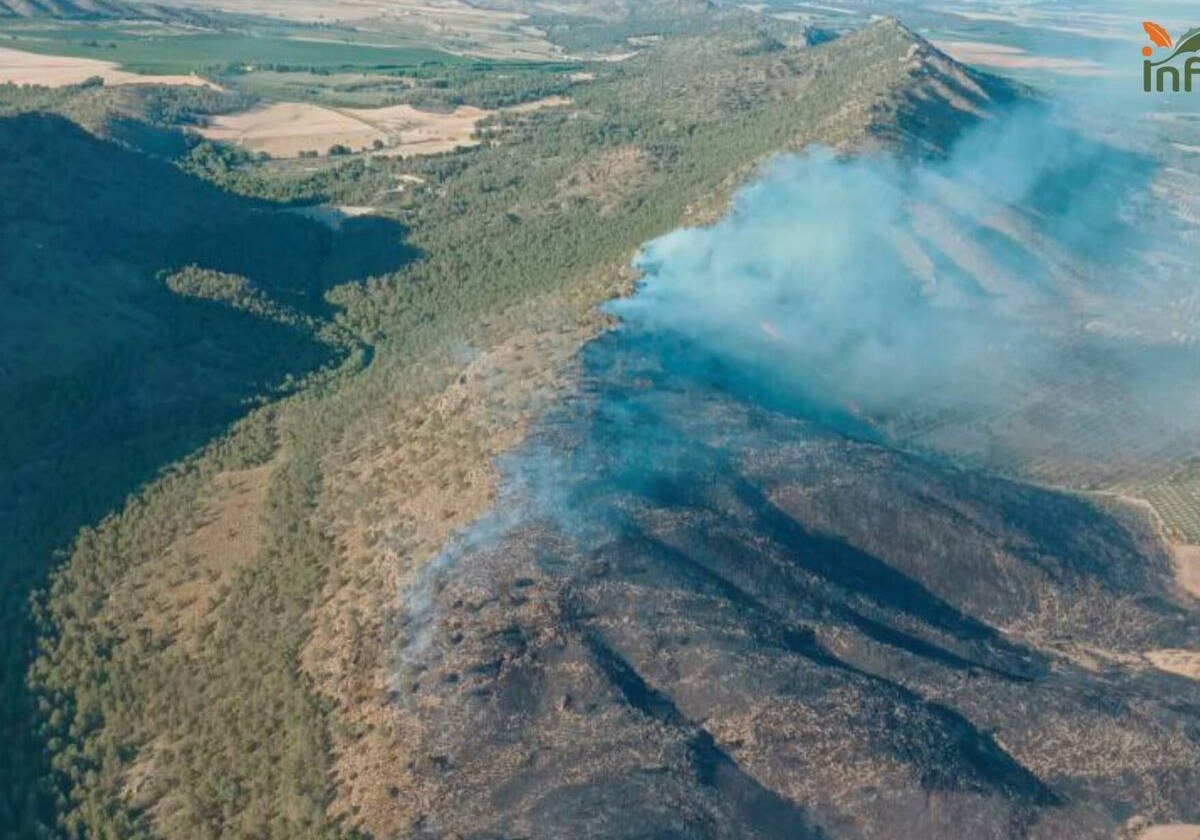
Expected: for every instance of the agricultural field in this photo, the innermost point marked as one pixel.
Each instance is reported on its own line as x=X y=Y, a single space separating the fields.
x=172 y=50
x=460 y=26
x=1176 y=500
x=306 y=89
x=26 y=68
x=289 y=130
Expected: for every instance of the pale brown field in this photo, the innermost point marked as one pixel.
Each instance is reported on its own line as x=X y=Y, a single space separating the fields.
x=1014 y=58
x=1178 y=831
x=457 y=25
x=1187 y=568
x=410 y=132
x=25 y=68
x=285 y=129
x=1185 y=663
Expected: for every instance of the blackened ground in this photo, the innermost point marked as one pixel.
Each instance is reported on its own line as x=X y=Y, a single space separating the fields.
x=692 y=617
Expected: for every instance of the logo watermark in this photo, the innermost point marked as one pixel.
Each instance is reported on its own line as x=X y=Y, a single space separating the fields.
x=1167 y=73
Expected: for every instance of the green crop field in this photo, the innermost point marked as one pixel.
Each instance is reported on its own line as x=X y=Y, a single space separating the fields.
x=480 y=83
x=175 y=51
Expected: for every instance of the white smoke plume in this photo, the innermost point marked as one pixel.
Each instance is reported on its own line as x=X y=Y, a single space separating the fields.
x=983 y=285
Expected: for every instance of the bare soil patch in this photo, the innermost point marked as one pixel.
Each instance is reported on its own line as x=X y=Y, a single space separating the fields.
x=333 y=216
x=1185 y=663
x=1187 y=568
x=1177 y=831
x=539 y=104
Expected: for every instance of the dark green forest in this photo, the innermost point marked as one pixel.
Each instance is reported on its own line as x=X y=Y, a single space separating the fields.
x=109 y=373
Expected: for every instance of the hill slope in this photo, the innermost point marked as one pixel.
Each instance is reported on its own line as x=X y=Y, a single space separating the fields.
x=78 y=9
x=96 y=349
x=107 y=373
x=692 y=617
x=263 y=706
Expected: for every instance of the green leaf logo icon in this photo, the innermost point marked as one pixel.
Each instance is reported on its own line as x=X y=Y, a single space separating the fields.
x=1188 y=43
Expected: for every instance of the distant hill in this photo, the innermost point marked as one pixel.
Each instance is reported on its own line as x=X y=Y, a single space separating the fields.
x=77 y=9
x=610 y=10
x=114 y=10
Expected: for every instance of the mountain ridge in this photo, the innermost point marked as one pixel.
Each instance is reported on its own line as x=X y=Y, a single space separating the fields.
x=82 y=10
x=377 y=472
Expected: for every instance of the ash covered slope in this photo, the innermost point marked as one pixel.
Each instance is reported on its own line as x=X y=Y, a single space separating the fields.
x=714 y=620
x=705 y=605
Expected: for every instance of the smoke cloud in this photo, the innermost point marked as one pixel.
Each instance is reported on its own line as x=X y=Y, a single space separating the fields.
x=1000 y=306
x=1004 y=294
